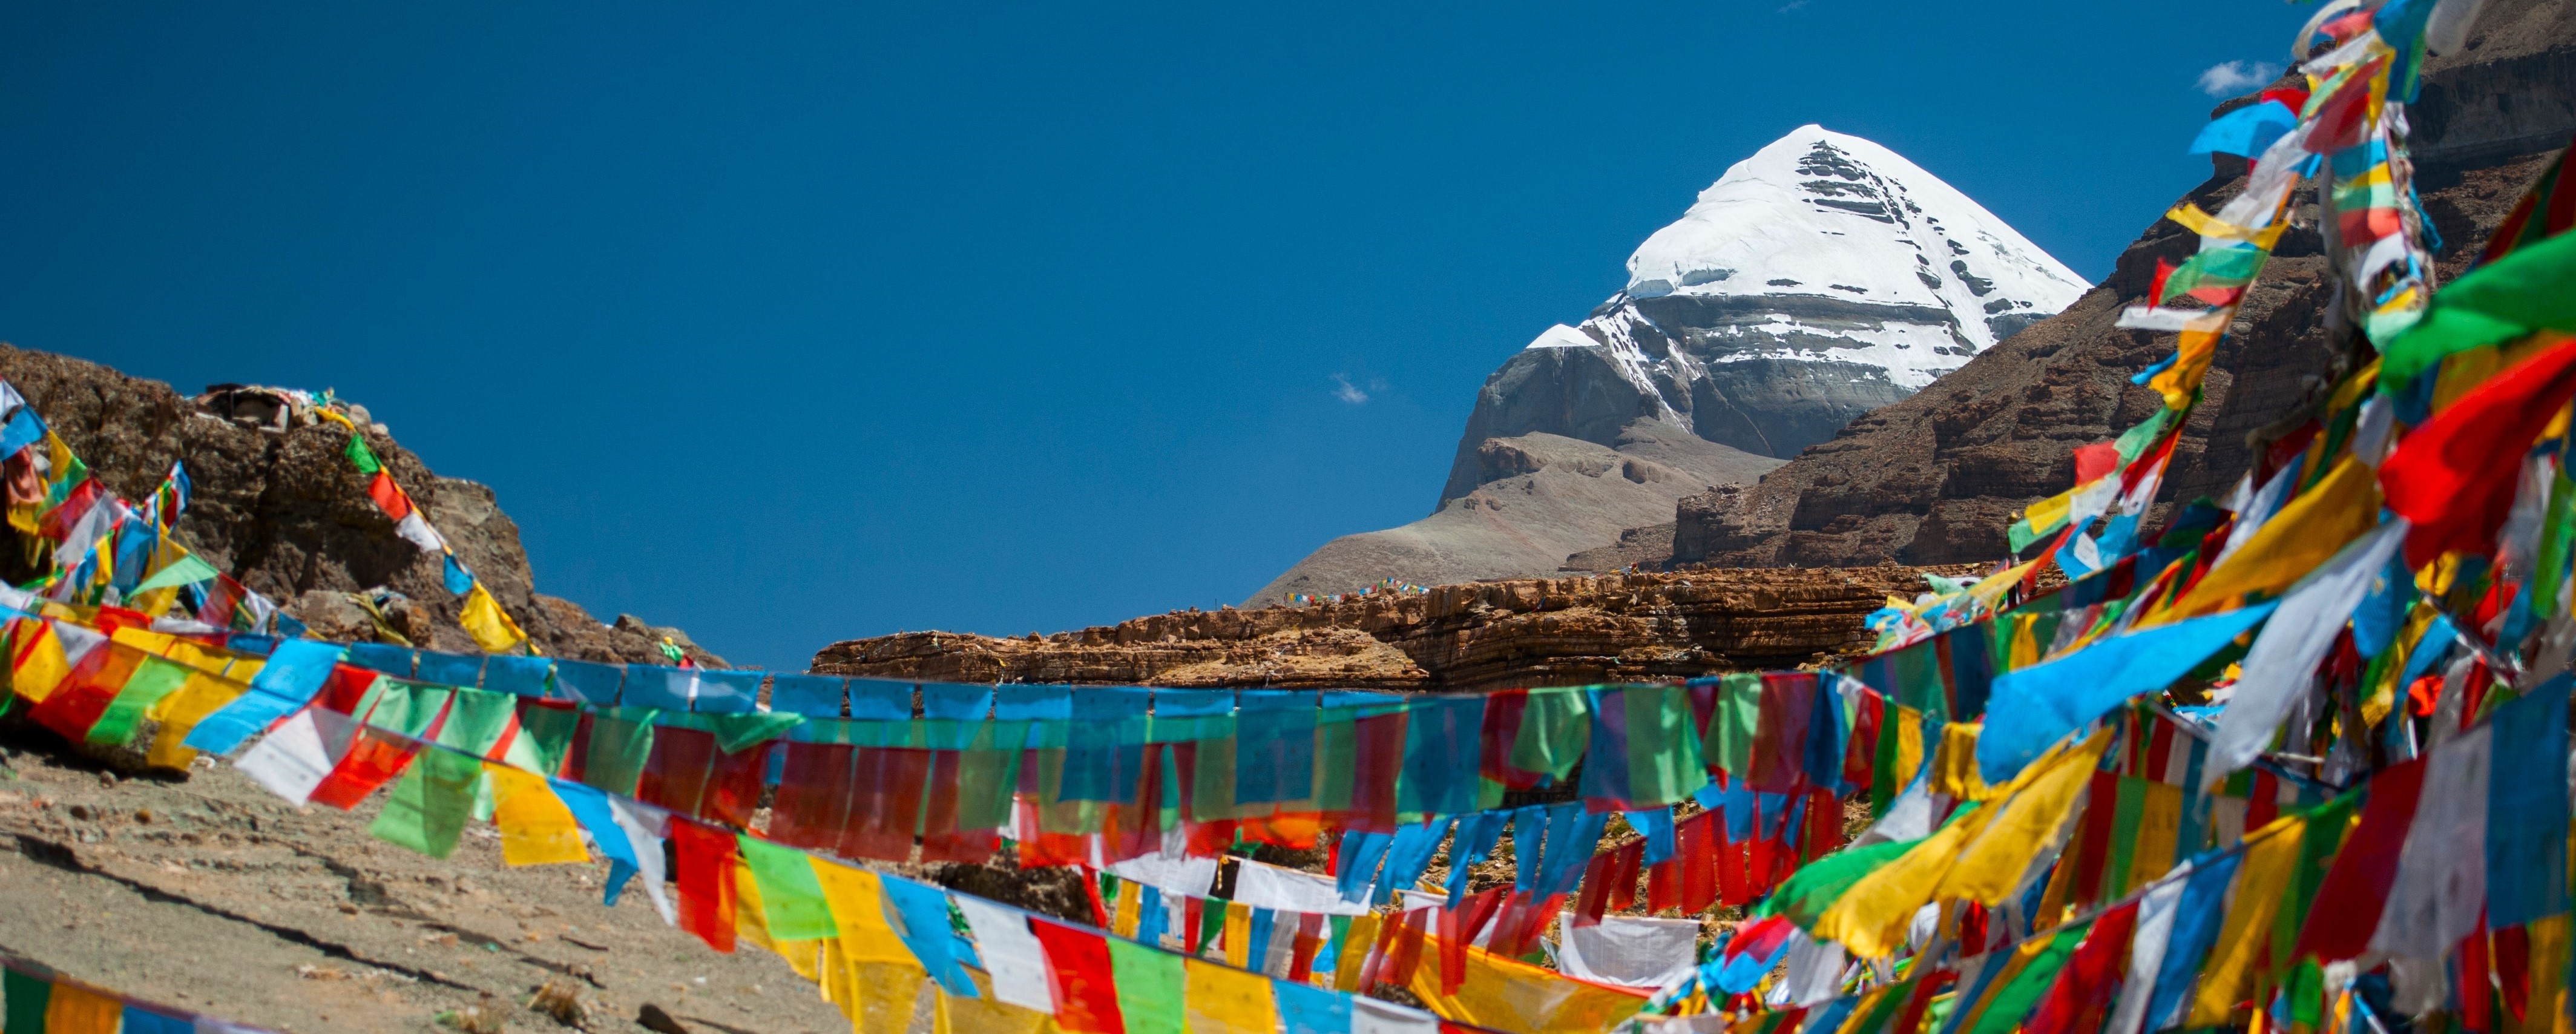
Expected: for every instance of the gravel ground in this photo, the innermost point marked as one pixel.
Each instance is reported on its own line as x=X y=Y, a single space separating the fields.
x=211 y=894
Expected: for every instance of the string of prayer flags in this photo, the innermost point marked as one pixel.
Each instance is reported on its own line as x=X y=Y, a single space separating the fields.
x=483 y=618
x=38 y=1000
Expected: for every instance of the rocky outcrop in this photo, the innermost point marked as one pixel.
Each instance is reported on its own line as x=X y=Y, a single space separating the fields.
x=283 y=511
x=1538 y=498
x=1487 y=635
x=1937 y=477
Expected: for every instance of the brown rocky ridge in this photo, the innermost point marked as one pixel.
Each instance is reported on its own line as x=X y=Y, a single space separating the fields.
x=1937 y=477
x=1478 y=636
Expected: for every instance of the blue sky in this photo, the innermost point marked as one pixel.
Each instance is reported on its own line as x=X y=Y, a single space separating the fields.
x=792 y=323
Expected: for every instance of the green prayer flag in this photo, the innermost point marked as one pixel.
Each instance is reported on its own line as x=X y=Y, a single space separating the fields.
x=2558 y=530
x=791 y=898
x=2126 y=811
x=1555 y=729
x=152 y=680
x=1728 y=743
x=2326 y=827
x=621 y=739
x=2214 y=267
x=28 y=997
x=443 y=789
x=427 y=811
x=1150 y=986
x=362 y=457
x=1882 y=766
x=2493 y=304
x=1663 y=757
x=189 y=569
x=550 y=731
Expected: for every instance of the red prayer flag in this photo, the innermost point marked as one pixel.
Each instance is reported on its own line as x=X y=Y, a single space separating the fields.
x=810 y=808
x=2096 y=460
x=1078 y=972
x=1378 y=760
x=2355 y=890
x=1780 y=736
x=83 y=695
x=2455 y=476
x=705 y=857
x=2083 y=986
x=1301 y=957
x=2477 y=988
x=2094 y=841
x=371 y=762
x=676 y=772
x=389 y=497
x=2511 y=955
x=1696 y=841
x=1502 y=726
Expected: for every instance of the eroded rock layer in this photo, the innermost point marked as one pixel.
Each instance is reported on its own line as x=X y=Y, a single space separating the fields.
x=1486 y=635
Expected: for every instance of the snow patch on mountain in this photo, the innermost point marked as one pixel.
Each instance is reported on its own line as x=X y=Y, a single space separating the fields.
x=1824 y=247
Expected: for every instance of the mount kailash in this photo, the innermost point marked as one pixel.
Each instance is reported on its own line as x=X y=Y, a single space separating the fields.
x=1821 y=278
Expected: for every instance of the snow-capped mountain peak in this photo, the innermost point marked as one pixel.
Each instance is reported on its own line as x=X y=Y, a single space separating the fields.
x=1828 y=215
x=1818 y=279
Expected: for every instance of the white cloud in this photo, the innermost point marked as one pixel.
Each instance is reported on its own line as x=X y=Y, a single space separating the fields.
x=1346 y=391
x=2230 y=78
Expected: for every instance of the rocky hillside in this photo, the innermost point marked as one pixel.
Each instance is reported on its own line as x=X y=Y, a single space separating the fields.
x=283 y=511
x=1937 y=477
x=1539 y=498
x=1489 y=635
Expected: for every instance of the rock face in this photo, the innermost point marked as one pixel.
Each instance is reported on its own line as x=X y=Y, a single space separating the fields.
x=1538 y=498
x=284 y=512
x=1489 y=635
x=1937 y=477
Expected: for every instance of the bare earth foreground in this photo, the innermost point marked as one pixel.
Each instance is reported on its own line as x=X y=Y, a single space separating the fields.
x=213 y=895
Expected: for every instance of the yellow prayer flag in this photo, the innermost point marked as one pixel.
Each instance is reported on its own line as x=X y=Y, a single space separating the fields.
x=984 y=1014
x=1238 y=934
x=1355 y=948
x=2025 y=642
x=536 y=828
x=2048 y=514
x=1221 y=1000
x=867 y=971
x=2035 y=809
x=1131 y=907
x=1909 y=744
x=2159 y=827
x=2207 y=225
x=2192 y=353
x=2307 y=532
x=1507 y=994
x=490 y=626
x=750 y=917
x=179 y=714
x=2271 y=856
x=38 y=662
x=1954 y=764
x=1872 y=918
x=72 y=1009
